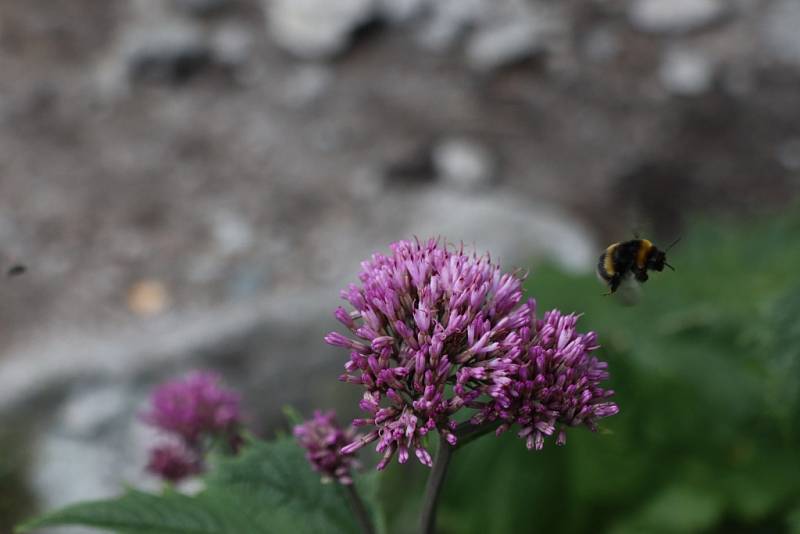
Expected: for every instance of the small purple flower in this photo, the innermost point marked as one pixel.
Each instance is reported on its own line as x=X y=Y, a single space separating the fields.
x=323 y=439
x=173 y=462
x=555 y=383
x=194 y=407
x=196 y=412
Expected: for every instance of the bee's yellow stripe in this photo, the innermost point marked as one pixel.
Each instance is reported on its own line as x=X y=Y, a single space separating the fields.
x=608 y=261
x=641 y=255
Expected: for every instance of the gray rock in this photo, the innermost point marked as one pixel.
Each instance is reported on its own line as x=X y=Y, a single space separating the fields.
x=165 y=50
x=316 y=29
x=447 y=20
x=398 y=11
x=172 y=53
x=674 y=16
x=306 y=84
x=87 y=413
x=201 y=7
x=686 y=72
x=231 y=44
x=232 y=233
x=602 y=44
x=463 y=163
x=514 y=231
x=780 y=32
x=511 y=31
x=788 y=154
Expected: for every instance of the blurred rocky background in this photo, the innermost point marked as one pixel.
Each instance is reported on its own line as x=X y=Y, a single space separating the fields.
x=191 y=182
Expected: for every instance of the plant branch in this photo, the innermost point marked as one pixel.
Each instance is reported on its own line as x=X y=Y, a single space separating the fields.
x=466 y=432
x=434 y=487
x=359 y=509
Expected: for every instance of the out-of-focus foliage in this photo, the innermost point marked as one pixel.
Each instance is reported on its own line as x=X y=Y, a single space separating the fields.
x=707 y=372
x=268 y=489
x=15 y=501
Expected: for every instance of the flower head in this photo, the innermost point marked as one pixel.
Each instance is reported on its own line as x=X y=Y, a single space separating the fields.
x=323 y=440
x=555 y=383
x=173 y=462
x=194 y=407
x=195 y=412
x=427 y=316
x=420 y=314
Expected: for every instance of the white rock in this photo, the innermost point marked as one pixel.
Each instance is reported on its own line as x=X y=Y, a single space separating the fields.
x=512 y=31
x=86 y=413
x=447 y=21
x=68 y=470
x=514 y=231
x=397 y=11
x=316 y=29
x=686 y=72
x=674 y=16
x=463 y=163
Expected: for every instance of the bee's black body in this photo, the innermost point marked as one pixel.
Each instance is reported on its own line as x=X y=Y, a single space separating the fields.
x=634 y=257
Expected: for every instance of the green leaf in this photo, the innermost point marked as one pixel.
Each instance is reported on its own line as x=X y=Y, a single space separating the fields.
x=268 y=489
x=143 y=513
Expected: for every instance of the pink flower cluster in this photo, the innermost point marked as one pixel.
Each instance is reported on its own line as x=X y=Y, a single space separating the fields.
x=428 y=316
x=195 y=412
x=323 y=439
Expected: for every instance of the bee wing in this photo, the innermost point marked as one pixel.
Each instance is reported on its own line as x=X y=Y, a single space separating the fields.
x=629 y=292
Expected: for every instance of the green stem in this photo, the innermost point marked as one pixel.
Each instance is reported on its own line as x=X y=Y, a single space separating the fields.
x=465 y=432
x=359 y=509
x=433 y=489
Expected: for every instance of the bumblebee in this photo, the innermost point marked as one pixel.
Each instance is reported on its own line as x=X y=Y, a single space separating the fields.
x=630 y=258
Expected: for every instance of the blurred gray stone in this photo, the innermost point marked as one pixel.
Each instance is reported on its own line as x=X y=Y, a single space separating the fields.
x=515 y=232
x=446 y=21
x=201 y=7
x=232 y=233
x=170 y=53
x=509 y=31
x=602 y=44
x=780 y=31
x=231 y=44
x=306 y=84
x=397 y=11
x=67 y=470
x=686 y=72
x=366 y=182
x=165 y=50
x=463 y=163
x=675 y=16
x=788 y=154
x=87 y=412
x=316 y=29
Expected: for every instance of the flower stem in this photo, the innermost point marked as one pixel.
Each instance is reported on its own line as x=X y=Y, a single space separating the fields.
x=467 y=432
x=359 y=509
x=434 y=487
